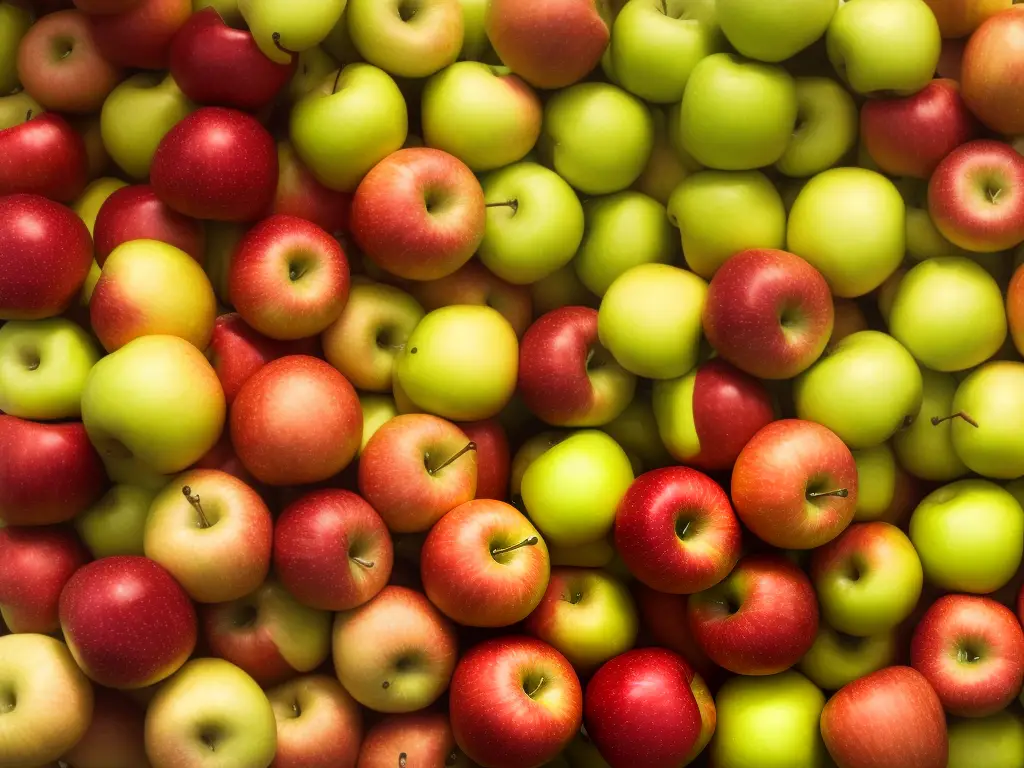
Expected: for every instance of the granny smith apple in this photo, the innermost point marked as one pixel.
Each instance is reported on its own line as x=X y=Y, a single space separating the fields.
x=114 y=525
x=377 y=411
x=836 y=659
x=15 y=107
x=636 y=430
x=925 y=449
x=826 y=127
x=14 y=23
x=776 y=30
x=475 y=45
x=876 y=481
x=315 y=64
x=283 y=28
x=408 y=38
x=996 y=741
x=987 y=420
x=88 y=204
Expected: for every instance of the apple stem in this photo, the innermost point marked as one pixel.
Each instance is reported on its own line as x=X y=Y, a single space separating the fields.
x=337 y=78
x=364 y=563
x=842 y=493
x=403 y=760
x=471 y=446
x=513 y=204
x=194 y=501
x=530 y=542
x=961 y=415
x=28 y=115
x=276 y=37
x=536 y=688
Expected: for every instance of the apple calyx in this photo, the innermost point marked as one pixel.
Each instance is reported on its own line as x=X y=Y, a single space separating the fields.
x=936 y=420
x=470 y=446
x=196 y=505
x=841 y=493
x=530 y=542
x=513 y=204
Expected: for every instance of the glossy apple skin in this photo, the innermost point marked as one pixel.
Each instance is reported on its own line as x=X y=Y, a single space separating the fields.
x=657 y=508
x=910 y=135
x=774 y=625
x=45 y=256
x=35 y=564
x=992 y=72
x=214 y=63
x=318 y=724
x=127 y=621
x=49 y=473
x=495 y=720
x=639 y=710
x=300 y=194
x=666 y=620
x=958 y=628
x=425 y=738
x=136 y=213
x=218 y=164
x=889 y=719
x=116 y=735
x=493 y=457
x=315 y=541
x=778 y=468
x=140 y=36
x=296 y=421
x=1015 y=307
x=398 y=231
x=473 y=283
x=43 y=156
x=746 y=299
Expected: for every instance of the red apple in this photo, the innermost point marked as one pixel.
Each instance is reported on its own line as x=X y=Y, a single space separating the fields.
x=216 y=164
x=910 y=135
x=493 y=457
x=127 y=622
x=760 y=620
x=676 y=531
x=473 y=283
x=116 y=735
x=794 y=484
x=140 y=36
x=992 y=72
x=419 y=214
x=416 y=468
x=223 y=457
x=136 y=213
x=300 y=194
x=971 y=651
x=35 y=564
x=515 y=703
x=214 y=63
x=424 y=739
x=976 y=196
x=48 y=472
x=318 y=724
x=288 y=278
x=888 y=719
x=1015 y=307
x=43 y=156
x=666 y=620
x=45 y=256
x=99 y=7
x=296 y=421
x=769 y=313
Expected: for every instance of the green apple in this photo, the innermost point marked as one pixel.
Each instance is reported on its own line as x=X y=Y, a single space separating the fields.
x=338 y=43
x=571 y=491
x=460 y=363
x=475 y=45
x=114 y=525
x=949 y=313
x=996 y=741
x=925 y=449
x=987 y=417
x=562 y=288
x=885 y=294
x=650 y=320
x=14 y=23
x=876 y=481
x=137 y=115
x=315 y=64
x=43 y=367
x=221 y=239
x=15 y=107
x=924 y=241
x=849 y=224
x=597 y=137
x=88 y=204
x=282 y=29
x=970 y=536
x=622 y=231
x=768 y=722
x=827 y=122
x=636 y=430
x=531 y=450
x=408 y=38
x=347 y=124
x=720 y=213
x=737 y=114
x=665 y=168
x=655 y=45
x=594 y=554
x=837 y=659
x=537 y=230
x=377 y=411
x=884 y=45
x=776 y=30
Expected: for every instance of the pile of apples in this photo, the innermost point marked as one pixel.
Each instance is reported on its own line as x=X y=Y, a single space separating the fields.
x=511 y=383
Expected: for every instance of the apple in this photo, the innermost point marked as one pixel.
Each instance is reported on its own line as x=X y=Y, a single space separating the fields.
x=16 y=21
x=419 y=738
x=140 y=37
x=282 y=31
x=316 y=63
x=88 y=204
x=116 y=734
x=42 y=155
x=888 y=718
x=102 y=598
x=473 y=283
x=879 y=482
x=515 y=702
x=485 y=565
x=837 y=659
x=849 y=318
x=115 y=524
x=990 y=70
x=667 y=165
x=136 y=213
x=985 y=415
x=959 y=18
x=318 y=724
x=636 y=430
x=332 y=550
x=997 y=740
x=395 y=653
x=925 y=448
x=826 y=128
x=407 y=41
x=300 y=194
x=777 y=32
x=562 y=288
x=493 y=457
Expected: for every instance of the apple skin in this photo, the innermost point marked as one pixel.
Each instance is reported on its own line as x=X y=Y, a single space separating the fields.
x=44 y=156
x=664 y=618
x=17 y=20
x=318 y=724
x=332 y=550
x=1015 y=307
x=515 y=703
x=991 y=72
x=473 y=283
x=194 y=173
x=925 y=449
x=971 y=651
x=296 y=421
x=887 y=719
x=103 y=598
x=417 y=47
x=140 y=37
x=997 y=741
x=493 y=462
x=300 y=194
x=990 y=397
x=32 y=490
x=676 y=531
x=136 y=213
x=837 y=659
x=116 y=735
x=775 y=622
x=35 y=564
x=959 y=18
x=425 y=738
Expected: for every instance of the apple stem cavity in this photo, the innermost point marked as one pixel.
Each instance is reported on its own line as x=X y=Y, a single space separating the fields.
x=530 y=542
x=470 y=446
x=196 y=505
x=936 y=420
x=513 y=204
x=841 y=493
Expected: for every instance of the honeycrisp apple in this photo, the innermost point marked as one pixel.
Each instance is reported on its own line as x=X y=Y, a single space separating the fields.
x=318 y=723
x=989 y=75
x=136 y=213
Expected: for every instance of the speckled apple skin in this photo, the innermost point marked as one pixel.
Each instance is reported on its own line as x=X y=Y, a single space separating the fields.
x=136 y=213
x=43 y=156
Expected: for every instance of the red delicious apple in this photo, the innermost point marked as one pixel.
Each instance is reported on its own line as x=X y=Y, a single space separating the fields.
x=45 y=256
x=639 y=710
x=760 y=620
x=910 y=135
x=136 y=213
x=485 y=565
x=769 y=313
x=300 y=194
x=493 y=457
x=665 y=617
x=318 y=724
x=888 y=719
x=35 y=564
x=422 y=739
x=992 y=72
x=415 y=468
x=140 y=36
x=127 y=621
x=43 y=156
x=48 y=472
x=116 y=736
x=332 y=550
x=473 y=283
x=296 y=421
x=214 y=63
x=794 y=484
x=676 y=531
x=515 y=702
x=976 y=196
x=216 y=164
x=551 y=44
x=971 y=651
x=419 y=214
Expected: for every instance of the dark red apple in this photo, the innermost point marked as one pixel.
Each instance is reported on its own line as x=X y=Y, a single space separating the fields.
x=666 y=620
x=300 y=194
x=493 y=457
x=136 y=213
x=44 y=156
x=140 y=36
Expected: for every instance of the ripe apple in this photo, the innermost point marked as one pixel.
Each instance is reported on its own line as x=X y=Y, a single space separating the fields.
x=283 y=30
x=986 y=415
x=990 y=72
x=41 y=154
x=996 y=740
x=15 y=21
x=116 y=735
x=826 y=127
x=114 y=525
x=837 y=659
x=562 y=288
x=473 y=283
x=407 y=41
x=421 y=738
x=664 y=617
x=774 y=32
x=140 y=37
x=300 y=194
x=493 y=457
x=136 y=213
x=959 y=18
x=318 y=724
x=666 y=166
x=925 y=448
